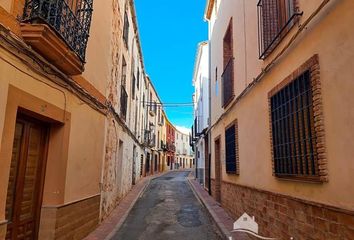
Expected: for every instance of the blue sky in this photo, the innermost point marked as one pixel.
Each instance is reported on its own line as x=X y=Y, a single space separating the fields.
x=170 y=32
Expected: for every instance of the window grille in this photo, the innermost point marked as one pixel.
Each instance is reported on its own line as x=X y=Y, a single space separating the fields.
x=275 y=18
x=231 y=150
x=293 y=130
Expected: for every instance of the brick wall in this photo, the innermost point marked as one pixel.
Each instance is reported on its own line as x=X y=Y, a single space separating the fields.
x=73 y=221
x=213 y=188
x=284 y=217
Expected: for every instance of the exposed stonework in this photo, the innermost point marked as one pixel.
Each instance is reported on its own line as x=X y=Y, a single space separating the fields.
x=112 y=167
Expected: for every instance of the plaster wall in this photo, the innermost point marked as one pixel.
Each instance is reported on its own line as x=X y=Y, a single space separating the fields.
x=330 y=28
x=84 y=154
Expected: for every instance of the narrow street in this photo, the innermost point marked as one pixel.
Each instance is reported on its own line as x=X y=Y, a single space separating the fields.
x=168 y=210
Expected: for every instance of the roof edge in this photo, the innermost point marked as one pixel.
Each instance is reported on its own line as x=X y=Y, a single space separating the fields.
x=209 y=9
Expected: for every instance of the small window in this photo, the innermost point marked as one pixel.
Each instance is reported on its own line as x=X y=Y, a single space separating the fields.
x=231 y=149
x=133 y=87
x=124 y=72
x=126 y=29
x=138 y=79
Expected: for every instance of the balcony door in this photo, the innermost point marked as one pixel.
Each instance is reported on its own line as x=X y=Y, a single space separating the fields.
x=25 y=187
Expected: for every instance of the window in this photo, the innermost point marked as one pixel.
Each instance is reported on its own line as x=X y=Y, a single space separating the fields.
x=138 y=79
x=228 y=74
x=275 y=18
x=133 y=87
x=293 y=130
x=216 y=82
x=124 y=72
x=231 y=149
x=126 y=30
x=298 y=146
x=123 y=102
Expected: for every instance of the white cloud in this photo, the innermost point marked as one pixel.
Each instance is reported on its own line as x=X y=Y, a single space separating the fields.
x=183 y=129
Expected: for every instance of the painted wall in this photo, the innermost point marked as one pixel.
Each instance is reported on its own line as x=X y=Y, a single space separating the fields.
x=201 y=86
x=330 y=28
x=85 y=152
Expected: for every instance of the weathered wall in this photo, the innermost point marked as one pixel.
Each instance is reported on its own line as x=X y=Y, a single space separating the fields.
x=118 y=162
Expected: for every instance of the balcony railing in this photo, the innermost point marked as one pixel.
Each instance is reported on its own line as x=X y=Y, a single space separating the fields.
x=228 y=83
x=275 y=18
x=123 y=103
x=72 y=23
x=149 y=139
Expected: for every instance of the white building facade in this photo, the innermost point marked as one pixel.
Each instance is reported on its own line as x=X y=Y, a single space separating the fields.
x=184 y=158
x=201 y=109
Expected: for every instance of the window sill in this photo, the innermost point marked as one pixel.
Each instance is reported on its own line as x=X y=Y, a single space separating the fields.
x=299 y=179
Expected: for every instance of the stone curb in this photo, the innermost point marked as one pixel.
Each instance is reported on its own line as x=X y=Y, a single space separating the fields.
x=226 y=233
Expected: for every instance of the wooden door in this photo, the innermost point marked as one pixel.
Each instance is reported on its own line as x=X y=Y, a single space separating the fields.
x=25 y=188
x=217 y=171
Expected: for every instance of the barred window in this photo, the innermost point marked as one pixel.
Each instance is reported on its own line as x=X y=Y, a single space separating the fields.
x=228 y=74
x=231 y=150
x=293 y=129
x=275 y=18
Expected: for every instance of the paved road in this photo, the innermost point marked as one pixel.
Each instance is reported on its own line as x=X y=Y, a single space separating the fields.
x=168 y=210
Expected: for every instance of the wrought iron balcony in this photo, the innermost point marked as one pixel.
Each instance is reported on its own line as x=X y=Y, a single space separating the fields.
x=71 y=20
x=227 y=83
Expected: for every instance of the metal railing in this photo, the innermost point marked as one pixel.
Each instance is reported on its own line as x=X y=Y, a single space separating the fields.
x=275 y=18
x=71 y=22
x=228 y=83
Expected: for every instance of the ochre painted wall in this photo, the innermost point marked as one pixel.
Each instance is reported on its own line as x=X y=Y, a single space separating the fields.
x=86 y=138
x=331 y=37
